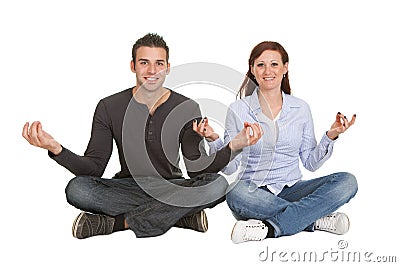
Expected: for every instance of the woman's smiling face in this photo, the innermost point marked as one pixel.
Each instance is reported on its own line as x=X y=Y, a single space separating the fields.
x=269 y=69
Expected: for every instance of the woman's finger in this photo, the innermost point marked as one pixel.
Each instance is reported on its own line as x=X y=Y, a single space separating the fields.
x=194 y=125
x=205 y=121
x=247 y=131
x=257 y=132
x=353 y=120
x=260 y=129
x=345 y=123
x=201 y=126
x=338 y=116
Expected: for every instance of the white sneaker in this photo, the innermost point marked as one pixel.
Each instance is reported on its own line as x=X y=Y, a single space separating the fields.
x=337 y=223
x=250 y=230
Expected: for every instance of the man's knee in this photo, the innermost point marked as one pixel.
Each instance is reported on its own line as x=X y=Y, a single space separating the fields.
x=76 y=190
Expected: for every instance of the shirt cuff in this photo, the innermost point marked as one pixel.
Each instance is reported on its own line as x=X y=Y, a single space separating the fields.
x=215 y=145
x=326 y=141
x=52 y=155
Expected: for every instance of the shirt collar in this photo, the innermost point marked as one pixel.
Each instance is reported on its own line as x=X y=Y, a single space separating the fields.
x=287 y=103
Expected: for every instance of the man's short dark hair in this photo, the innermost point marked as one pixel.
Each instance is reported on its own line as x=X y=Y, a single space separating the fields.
x=149 y=40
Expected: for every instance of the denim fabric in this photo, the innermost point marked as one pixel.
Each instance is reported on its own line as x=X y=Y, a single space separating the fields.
x=297 y=207
x=145 y=215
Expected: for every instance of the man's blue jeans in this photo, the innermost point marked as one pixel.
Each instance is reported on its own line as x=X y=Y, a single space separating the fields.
x=145 y=215
x=297 y=207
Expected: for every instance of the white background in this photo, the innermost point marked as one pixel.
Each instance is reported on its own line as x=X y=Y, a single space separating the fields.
x=58 y=58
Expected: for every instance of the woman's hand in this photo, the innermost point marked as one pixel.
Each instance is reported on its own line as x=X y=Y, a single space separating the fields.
x=249 y=135
x=340 y=125
x=205 y=130
x=36 y=136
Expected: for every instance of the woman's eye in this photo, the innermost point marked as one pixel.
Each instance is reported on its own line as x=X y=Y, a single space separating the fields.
x=274 y=64
x=260 y=65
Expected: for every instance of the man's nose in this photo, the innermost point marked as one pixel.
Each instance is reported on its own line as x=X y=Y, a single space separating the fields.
x=151 y=69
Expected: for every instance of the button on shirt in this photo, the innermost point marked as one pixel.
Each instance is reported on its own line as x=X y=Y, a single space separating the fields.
x=154 y=150
x=274 y=160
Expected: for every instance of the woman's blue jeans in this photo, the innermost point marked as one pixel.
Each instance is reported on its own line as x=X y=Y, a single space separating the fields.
x=295 y=208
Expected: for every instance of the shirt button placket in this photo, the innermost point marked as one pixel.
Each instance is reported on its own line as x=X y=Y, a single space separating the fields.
x=150 y=131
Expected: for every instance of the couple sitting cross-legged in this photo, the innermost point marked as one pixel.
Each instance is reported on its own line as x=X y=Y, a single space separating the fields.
x=267 y=130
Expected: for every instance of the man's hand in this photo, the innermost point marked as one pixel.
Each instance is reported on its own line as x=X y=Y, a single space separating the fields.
x=340 y=125
x=249 y=135
x=36 y=136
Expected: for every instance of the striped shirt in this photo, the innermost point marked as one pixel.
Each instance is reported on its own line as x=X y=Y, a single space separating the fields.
x=274 y=160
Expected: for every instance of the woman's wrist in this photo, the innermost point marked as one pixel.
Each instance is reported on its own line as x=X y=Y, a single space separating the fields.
x=332 y=135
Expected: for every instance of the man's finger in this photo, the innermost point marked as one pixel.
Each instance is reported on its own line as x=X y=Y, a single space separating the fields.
x=32 y=133
x=25 y=130
x=25 y=133
x=39 y=132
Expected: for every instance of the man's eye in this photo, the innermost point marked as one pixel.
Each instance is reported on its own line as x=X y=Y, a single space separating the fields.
x=160 y=64
x=143 y=62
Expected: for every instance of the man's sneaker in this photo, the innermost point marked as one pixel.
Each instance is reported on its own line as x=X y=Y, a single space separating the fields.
x=197 y=222
x=87 y=225
x=250 y=230
x=337 y=223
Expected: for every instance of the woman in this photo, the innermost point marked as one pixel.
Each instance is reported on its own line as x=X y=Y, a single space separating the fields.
x=271 y=200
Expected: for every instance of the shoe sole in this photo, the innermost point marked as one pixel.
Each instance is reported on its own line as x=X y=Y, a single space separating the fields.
x=76 y=223
x=204 y=221
x=348 y=224
x=335 y=231
x=233 y=229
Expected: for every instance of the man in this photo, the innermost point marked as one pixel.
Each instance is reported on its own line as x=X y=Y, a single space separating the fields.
x=138 y=120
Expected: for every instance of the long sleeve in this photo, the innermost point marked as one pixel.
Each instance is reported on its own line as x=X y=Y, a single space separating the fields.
x=99 y=149
x=312 y=155
x=195 y=157
x=232 y=128
x=215 y=145
x=233 y=125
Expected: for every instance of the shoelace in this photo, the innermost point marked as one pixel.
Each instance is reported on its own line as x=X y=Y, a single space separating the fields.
x=99 y=225
x=327 y=222
x=254 y=232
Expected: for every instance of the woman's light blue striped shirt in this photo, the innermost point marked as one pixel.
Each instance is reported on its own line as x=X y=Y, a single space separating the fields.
x=274 y=160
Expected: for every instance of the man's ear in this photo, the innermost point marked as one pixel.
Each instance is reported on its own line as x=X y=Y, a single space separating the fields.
x=133 y=67
x=168 y=69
